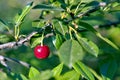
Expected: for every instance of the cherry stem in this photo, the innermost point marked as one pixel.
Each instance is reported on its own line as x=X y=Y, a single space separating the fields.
x=42 y=38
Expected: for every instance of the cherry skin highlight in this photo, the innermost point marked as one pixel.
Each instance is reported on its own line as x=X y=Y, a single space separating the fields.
x=41 y=52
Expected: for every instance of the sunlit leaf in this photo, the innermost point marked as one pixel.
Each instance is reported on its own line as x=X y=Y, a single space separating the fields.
x=116 y=8
x=36 y=42
x=33 y=73
x=69 y=75
x=38 y=23
x=52 y=1
x=57 y=70
x=4 y=38
x=86 y=1
x=25 y=11
x=83 y=70
x=3 y=76
x=45 y=75
x=23 y=77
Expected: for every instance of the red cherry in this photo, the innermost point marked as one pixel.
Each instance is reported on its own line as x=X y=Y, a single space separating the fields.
x=41 y=52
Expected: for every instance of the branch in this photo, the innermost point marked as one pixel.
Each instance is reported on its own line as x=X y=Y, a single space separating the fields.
x=101 y=4
x=107 y=25
x=4 y=61
x=95 y=8
x=20 y=42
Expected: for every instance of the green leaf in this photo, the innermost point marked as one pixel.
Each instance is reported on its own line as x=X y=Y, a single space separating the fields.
x=3 y=26
x=38 y=23
x=45 y=75
x=83 y=70
x=47 y=7
x=62 y=2
x=70 y=52
x=107 y=41
x=89 y=46
x=57 y=41
x=23 y=77
x=4 y=38
x=90 y=28
x=87 y=26
x=116 y=8
x=60 y=27
x=57 y=70
x=86 y=1
x=52 y=1
x=36 y=42
x=69 y=75
x=25 y=11
x=33 y=73
x=3 y=76
x=108 y=69
x=2 y=21
x=95 y=73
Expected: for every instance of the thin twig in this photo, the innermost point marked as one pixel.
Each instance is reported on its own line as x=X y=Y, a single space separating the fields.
x=4 y=61
x=107 y=25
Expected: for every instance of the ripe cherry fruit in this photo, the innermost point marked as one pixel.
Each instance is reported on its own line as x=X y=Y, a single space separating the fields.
x=41 y=51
